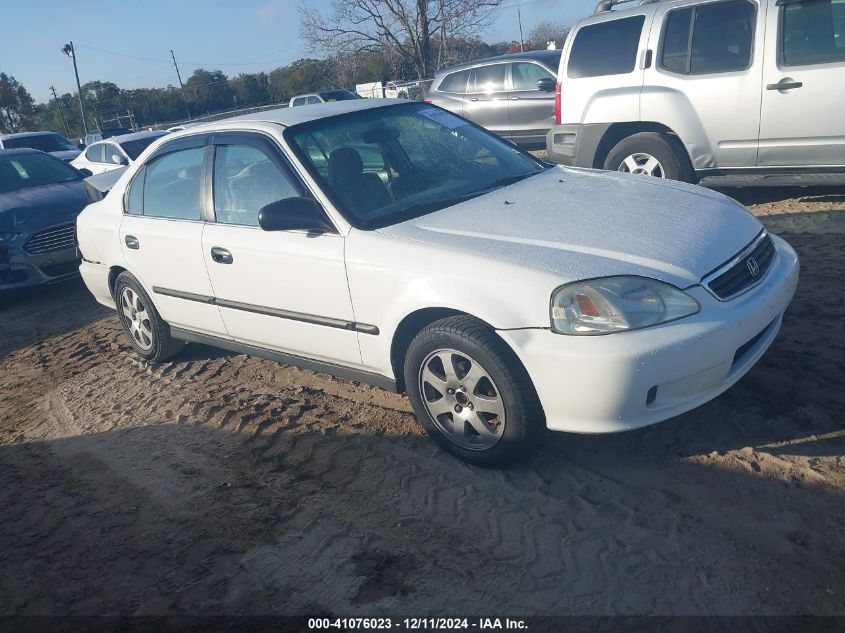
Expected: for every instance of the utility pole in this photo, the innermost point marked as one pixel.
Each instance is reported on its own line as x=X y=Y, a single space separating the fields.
x=68 y=50
x=181 y=87
x=59 y=110
x=519 y=17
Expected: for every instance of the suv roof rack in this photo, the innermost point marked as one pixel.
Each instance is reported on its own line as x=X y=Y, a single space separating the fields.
x=606 y=5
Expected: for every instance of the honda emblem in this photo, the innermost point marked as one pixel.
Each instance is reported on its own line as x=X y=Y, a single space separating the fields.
x=753 y=266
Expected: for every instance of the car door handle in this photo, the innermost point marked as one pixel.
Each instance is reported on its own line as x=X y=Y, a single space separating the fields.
x=132 y=242
x=221 y=255
x=514 y=98
x=787 y=83
x=473 y=99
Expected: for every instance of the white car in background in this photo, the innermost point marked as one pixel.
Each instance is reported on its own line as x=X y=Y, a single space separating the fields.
x=398 y=244
x=115 y=152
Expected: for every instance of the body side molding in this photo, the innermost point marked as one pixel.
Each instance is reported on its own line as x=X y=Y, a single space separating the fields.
x=313 y=319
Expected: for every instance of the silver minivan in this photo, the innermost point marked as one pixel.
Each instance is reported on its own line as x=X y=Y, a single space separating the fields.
x=688 y=89
x=511 y=95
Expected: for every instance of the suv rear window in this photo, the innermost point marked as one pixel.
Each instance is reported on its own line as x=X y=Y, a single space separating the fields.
x=722 y=35
x=813 y=32
x=607 y=48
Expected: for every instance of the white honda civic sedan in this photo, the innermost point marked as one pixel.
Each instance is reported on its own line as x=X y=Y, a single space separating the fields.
x=399 y=245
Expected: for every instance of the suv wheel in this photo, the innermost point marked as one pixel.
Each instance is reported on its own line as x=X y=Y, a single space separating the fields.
x=148 y=333
x=651 y=154
x=470 y=392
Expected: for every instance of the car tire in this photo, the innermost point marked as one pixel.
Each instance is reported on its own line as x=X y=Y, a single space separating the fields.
x=492 y=412
x=147 y=331
x=653 y=154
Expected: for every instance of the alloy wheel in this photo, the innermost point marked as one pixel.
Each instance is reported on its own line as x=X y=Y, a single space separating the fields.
x=137 y=318
x=462 y=400
x=643 y=164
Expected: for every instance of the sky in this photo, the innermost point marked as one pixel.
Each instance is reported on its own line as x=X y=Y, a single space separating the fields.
x=243 y=36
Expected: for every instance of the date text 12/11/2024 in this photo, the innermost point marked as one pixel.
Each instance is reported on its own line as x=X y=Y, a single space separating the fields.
x=417 y=624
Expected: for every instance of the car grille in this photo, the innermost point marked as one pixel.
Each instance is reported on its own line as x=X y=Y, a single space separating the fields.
x=745 y=271
x=56 y=239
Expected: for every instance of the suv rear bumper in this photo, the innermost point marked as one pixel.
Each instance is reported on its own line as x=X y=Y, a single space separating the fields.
x=575 y=144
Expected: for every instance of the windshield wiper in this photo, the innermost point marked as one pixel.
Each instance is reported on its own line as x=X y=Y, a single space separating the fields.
x=428 y=206
x=509 y=180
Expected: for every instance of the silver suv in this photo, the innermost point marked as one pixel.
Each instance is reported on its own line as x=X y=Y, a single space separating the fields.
x=687 y=89
x=511 y=95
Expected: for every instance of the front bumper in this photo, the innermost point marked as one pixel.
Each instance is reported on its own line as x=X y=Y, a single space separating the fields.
x=624 y=381
x=19 y=269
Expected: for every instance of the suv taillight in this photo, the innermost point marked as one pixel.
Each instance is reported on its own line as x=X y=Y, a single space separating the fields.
x=557 y=103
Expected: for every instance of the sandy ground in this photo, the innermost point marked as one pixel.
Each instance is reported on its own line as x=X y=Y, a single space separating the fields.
x=218 y=483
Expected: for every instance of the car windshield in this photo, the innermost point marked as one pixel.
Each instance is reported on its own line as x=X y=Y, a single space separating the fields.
x=24 y=171
x=44 y=142
x=389 y=164
x=339 y=95
x=134 y=148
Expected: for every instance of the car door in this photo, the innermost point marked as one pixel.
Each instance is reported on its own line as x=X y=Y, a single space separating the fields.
x=161 y=235
x=279 y=290
x=531 y=111
x=704 y=81
x=451 y=91
x=487 y=101
x=801 y=122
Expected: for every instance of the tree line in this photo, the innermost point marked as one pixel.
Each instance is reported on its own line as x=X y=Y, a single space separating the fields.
x=211 y=91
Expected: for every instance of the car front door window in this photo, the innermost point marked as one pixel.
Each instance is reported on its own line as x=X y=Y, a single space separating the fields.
x=246 y=179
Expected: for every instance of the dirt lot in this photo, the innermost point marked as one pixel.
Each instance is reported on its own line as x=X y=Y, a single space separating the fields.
x=219 y=483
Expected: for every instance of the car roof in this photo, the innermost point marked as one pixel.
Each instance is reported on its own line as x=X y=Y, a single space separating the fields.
x=134 y=136
x=21 y=150
x=549 y=57
x=630 y=9
x=303 y=114
x=25 y=134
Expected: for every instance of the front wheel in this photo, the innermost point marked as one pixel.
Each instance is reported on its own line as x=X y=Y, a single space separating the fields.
x=470 y=392
x=651 y=154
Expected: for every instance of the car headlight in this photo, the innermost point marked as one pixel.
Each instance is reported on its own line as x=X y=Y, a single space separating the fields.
x=617 y=304
x=8 y=237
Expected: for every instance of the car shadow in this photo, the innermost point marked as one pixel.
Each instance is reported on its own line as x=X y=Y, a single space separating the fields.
x=35 y=314
x=173 y=515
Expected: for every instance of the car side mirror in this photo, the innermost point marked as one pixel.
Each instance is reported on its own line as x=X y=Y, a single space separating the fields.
x=119 y=160
x=85 y=172
x=80 y=146
x=294 y=214
x=546 y=84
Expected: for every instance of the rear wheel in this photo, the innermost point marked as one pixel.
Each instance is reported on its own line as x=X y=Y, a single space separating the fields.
x=148 y=333
x=651 y=154
x=470 y=392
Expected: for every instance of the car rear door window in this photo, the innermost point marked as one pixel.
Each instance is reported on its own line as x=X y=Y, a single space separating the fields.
x=710 y=38
x=813 y=32
x=454 y=82
x=246 y=179
x=525 y=75
x=606 y=48
x=490 y=78
x=172 y=185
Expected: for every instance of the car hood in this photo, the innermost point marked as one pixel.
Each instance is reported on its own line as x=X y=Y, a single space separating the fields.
x=583 y=223
x=29 y=209
x=66 y=155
